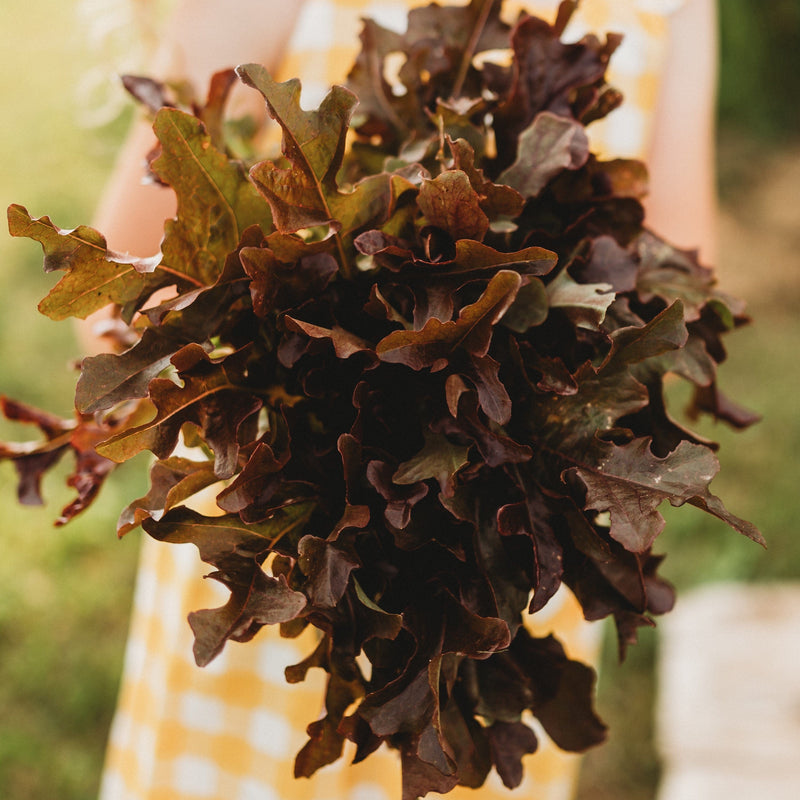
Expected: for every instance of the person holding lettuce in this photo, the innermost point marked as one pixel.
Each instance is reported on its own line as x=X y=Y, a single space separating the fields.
x=231 y=730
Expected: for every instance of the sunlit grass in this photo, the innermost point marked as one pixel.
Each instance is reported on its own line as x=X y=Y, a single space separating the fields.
x=63 y=619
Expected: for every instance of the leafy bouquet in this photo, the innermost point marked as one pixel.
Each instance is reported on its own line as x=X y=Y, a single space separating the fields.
x=421 y=356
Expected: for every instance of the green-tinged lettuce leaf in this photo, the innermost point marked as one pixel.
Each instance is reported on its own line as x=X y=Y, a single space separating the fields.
x=225 y=541
x=95 y=276
x=194 y=316
x=216 y=200
x=549 y=145
x=107 y=379
x=439 y=459
x=630 y=483
x=607 y=393
x=306 y=194
x=585 y=303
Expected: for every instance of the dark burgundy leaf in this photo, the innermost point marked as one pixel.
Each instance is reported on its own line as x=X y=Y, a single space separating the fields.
x=509 y=741
x=555 y=377
x=547 y=77
x=468 y=743
x=151 y=94
x=711 y=400
x=470 y=634
x=503 y=689
x=213 y=112
x=492 y=394
x=264 y=601
x=323 y=747
x=404 y=705
x=531 y=518
x=296 y=673
x=400 y=498
x=32 y=460
x=325 y=739
x=328 y=567
x=90 y=471
x=345 y=344
x=562 y=692
x=420 y=777
x=472 y=331
x=505 y=578
x=610 y=263
x=495 y=447
x=275 y=284
x=31 y=469
x=367 y=79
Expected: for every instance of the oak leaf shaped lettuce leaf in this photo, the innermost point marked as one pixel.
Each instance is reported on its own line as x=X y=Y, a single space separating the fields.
x=95 y=276
x=207 y=399
x=236 y=550
x=630 y=482
x=305 y=194
x=471 y=332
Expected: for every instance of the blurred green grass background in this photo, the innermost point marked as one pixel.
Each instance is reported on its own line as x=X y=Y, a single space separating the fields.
x=66 y=592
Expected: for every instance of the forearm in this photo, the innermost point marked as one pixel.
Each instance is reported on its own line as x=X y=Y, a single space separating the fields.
x=682 y=202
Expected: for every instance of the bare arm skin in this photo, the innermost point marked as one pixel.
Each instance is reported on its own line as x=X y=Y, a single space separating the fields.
x=682 y=203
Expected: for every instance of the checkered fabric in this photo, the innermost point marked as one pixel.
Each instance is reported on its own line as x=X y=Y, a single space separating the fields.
x=230 y=731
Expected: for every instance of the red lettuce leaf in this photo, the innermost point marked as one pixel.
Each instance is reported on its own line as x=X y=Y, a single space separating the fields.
x=420 y=361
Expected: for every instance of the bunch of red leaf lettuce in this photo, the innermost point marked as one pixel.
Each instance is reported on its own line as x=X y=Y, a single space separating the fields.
x=421 y=356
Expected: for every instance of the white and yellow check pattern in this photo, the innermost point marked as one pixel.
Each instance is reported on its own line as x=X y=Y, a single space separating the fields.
x=230 y=731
